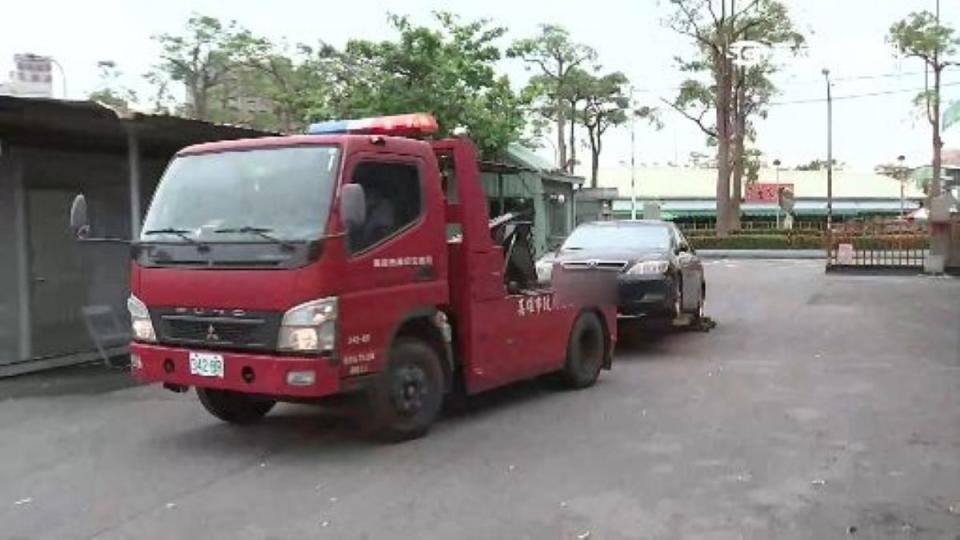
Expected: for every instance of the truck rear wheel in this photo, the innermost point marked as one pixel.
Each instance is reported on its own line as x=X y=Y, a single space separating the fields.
x=408 y=393
x=585 y=351
x=234 y=407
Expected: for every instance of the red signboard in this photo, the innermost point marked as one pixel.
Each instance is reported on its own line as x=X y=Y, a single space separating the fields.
x=764 y=191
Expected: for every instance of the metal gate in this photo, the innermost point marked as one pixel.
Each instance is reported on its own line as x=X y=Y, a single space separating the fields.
x=880 y=244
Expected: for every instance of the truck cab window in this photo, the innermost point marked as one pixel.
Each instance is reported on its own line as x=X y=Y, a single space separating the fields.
x=393 y=201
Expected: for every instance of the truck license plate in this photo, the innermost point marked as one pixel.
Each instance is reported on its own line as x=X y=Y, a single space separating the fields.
x=206 y=364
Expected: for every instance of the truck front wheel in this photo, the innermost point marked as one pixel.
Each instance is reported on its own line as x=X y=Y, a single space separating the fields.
x=233 y=407
x=408 y=394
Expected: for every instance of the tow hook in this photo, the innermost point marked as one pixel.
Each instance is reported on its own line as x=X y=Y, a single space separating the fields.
x=177 y=388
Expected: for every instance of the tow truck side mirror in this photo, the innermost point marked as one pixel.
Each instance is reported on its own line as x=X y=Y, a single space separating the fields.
x=79 y=223
x=353 y=205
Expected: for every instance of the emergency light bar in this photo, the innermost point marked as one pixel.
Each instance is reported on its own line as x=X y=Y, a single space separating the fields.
x=401 y=125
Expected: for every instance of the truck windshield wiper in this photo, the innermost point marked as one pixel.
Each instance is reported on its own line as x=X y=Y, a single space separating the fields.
x=182 y=233
x=262 y=232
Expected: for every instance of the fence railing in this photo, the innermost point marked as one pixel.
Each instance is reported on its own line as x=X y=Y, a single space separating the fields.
x=878 y=244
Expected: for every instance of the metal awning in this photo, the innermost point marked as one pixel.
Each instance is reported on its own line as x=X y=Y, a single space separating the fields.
x=89 y=125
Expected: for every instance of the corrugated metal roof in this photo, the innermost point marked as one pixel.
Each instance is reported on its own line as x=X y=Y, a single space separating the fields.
x=527 y=158
x=88 y=124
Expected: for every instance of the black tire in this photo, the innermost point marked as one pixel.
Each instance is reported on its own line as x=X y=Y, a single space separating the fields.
x=700 y=313
x=407 y=396
x=234 y=407
x=586 y=348
x=697 y=313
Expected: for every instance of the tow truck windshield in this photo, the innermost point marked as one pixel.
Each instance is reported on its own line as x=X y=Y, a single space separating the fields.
x=214 y=197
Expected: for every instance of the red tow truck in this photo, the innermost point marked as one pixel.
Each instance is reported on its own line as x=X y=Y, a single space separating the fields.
x=357 y=258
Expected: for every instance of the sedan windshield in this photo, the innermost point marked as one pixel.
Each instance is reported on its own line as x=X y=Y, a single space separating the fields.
x=633 y=237
x=244 y=195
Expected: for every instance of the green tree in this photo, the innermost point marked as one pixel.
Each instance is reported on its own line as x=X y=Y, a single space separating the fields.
x=110 y=88
x=448 y=71
x=607 y=104
x=160 y=99
x=752 y=161
x=721 y=96
x=817 y=165
x=559 y=64
x=577 y=91
x=200 y=58
x=290 y=80
x=921 y=36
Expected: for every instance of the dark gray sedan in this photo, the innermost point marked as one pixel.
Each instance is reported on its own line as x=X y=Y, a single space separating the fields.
x=658 y=272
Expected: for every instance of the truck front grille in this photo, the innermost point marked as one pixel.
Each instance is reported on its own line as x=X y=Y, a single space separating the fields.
x=253 y=331
x=615 y=266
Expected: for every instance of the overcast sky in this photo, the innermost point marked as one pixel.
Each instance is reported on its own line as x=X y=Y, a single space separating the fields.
x=847 y=36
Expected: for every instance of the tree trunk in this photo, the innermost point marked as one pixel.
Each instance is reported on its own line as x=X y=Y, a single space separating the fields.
x=594 y=157
x=723 y=144
x=561 y=141
x=199 y=95
x=739 y=151
x=573 y=131
x=737 y=184
x=937 y=142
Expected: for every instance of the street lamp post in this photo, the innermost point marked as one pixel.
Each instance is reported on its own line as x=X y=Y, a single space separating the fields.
x=776 y=163
x=556 y=153
x=63 y=76
x=901 y=175
x=633 y=159
x=826 y=76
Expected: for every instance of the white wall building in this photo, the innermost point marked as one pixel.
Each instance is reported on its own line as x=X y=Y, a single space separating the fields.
x=32 y=76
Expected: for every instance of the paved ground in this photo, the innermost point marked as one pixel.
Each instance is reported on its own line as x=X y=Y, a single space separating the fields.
x=819 y=405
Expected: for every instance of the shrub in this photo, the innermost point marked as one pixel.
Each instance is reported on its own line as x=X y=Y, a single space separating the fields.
x=759 y=241
x=806 y=240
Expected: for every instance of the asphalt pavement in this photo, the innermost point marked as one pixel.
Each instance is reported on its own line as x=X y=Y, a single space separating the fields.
x=821 y=406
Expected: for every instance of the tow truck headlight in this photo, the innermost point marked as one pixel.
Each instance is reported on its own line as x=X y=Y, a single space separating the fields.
x=310 y=327
x=647 y=268
x=140 y=320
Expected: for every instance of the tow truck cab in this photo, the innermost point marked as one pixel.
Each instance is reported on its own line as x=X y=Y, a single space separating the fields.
x=353 y=258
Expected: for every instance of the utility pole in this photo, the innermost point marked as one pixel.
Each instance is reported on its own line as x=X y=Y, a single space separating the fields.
x=826 y=76
x=776 y=163
x=63 y=76
x=902 y=176
x=633 y=159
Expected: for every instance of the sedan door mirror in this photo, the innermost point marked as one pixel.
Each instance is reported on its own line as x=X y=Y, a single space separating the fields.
x=79 y=223
x=353 y=205
x=683 y=248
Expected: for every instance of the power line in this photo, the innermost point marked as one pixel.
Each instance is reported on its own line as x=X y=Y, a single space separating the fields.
x=858 y=96
x=794 y=82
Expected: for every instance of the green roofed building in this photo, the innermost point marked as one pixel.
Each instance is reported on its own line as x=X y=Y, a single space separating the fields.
x=524 y=182
x=688 y=194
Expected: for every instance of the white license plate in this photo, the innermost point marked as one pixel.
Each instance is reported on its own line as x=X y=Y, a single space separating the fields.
x=206 y=364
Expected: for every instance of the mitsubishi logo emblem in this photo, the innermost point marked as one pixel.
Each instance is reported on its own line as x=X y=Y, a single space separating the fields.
x=592 y=264
x=212 y=334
